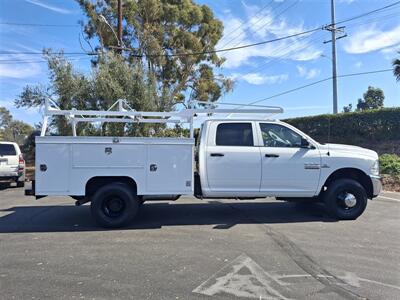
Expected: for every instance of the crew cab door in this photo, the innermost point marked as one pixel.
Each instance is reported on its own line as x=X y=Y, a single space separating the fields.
x=288 y=168
x=233 y=161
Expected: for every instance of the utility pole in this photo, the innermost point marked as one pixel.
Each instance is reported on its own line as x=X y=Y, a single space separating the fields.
x=333 y=29
x=334 y=75
x=119 y=31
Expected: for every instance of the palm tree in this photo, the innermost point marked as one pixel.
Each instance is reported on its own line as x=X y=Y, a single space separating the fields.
x=396 y=70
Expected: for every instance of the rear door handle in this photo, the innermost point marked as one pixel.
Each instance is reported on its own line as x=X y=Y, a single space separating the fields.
x=271 y=155
x=216 y=154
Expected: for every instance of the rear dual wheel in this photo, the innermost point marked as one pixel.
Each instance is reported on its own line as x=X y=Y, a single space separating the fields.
x=114 y=205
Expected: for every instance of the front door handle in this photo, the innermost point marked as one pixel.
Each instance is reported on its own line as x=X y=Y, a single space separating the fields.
x=216 y=154
x=271 y=155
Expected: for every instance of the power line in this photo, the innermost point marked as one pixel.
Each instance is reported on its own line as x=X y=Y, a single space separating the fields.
x=381 y=19
x=385 y=17
x=216 y=50
x=40 y=53
x=255 y=44
x=368 y=13
x=244 y=23
x=38 y=25
x=183 y=54
x=247 y=22
x=16 y=62
x=365 y=73
x=317 y=82
x=266 y=24
x=286 y=50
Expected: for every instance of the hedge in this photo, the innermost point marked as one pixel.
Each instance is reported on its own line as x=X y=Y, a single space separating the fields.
x=352 y=128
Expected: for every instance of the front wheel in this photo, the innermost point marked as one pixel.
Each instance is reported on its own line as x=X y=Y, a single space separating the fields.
x=114 y=205
x=345 y=199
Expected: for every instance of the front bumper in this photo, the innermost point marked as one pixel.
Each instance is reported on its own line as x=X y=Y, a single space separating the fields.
x=376 y=185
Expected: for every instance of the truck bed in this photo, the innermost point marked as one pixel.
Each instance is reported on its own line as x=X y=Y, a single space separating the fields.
x=157 y=165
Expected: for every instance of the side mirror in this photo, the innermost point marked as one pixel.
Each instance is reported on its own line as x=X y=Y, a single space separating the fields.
x=304 y=143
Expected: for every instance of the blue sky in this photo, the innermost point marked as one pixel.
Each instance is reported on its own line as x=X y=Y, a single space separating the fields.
x=259 y=72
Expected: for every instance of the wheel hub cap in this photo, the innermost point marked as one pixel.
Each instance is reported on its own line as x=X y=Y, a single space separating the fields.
x=350 y=200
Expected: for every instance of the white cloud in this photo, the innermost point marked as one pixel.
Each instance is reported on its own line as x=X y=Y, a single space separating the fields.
x=19 y=66
x=7 y=104
x=371 y=39
x=358 y=64
x=308 y=73
x=18 y=72
x=259 y=27
x=49 y=7
x=258 y=79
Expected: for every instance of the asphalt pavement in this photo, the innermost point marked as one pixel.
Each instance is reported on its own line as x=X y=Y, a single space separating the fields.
x=198 y=249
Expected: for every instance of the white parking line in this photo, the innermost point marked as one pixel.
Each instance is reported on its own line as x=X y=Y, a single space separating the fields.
x=396 y=193
x=393 y=199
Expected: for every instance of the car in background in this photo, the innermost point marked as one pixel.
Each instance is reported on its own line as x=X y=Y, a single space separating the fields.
x=12 y=164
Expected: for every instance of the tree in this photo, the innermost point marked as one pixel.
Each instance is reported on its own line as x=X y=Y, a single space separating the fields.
x=17 y=131
x=111 y=78
x=172 y=40
x=5 y=117
x=155 y=74
x=372 y=99
x=396 y=70
x=12 y=130
x=348 y=108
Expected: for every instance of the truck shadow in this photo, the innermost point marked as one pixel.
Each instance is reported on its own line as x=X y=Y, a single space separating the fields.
x=7 y=185
x=221 y=215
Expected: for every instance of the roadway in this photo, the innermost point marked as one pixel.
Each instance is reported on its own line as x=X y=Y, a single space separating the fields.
x=194 y=249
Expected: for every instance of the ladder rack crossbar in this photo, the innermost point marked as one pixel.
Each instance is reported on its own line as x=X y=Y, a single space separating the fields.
x=125 y=114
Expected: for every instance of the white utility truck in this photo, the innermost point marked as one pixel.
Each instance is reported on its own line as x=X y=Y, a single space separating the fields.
x=235 y=157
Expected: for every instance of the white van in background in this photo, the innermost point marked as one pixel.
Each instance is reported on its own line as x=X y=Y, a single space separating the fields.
x=12 y=164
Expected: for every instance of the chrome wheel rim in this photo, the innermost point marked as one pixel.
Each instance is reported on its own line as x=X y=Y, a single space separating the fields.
x=347 y=200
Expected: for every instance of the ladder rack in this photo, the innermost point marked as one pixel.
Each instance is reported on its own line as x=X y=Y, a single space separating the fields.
x=125 y=114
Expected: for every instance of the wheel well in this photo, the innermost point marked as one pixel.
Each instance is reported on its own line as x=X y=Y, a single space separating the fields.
x=351 y=173
x=94 y=183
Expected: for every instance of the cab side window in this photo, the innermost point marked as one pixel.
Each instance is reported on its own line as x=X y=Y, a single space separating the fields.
x=234 y=134
x=276 y=135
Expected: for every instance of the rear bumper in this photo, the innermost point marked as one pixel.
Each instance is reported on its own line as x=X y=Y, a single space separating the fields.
x=12 y=173
x=10 y=177
x=9 y=172
x=376 y=185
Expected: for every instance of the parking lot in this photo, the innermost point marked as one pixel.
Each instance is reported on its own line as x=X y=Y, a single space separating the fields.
x=198 y=249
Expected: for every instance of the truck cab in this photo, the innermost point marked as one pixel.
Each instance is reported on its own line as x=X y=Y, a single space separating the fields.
x=257 y=159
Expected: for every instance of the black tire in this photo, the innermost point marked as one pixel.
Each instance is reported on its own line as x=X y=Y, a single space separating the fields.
x=334 y=198
x=20 y=183
x=114 y=205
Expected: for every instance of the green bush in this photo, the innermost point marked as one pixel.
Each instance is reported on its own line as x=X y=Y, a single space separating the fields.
x=352 y=128
x=390 y=164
